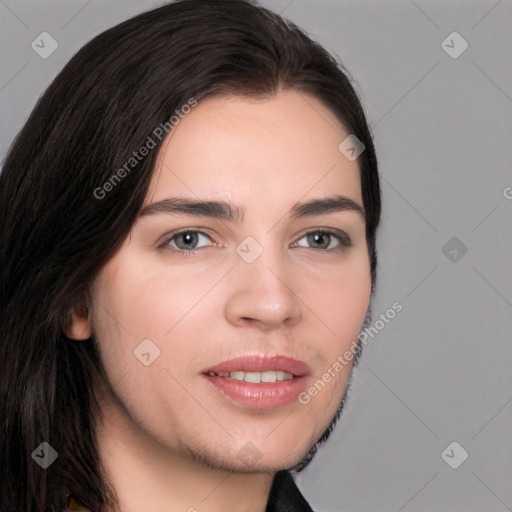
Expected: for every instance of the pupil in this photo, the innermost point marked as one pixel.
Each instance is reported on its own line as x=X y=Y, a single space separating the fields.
x=317 y=237
x=188 y=239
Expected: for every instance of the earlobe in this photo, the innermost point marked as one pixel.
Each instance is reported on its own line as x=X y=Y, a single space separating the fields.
x=78 y=326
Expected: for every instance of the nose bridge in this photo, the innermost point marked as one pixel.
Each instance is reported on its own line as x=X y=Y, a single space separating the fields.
x=262 y=292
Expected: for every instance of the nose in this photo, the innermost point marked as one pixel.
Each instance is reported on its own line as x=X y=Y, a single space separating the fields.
x=263 y=293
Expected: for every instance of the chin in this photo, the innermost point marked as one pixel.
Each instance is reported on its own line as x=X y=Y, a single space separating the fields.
x=252 y=457
x=270 y=463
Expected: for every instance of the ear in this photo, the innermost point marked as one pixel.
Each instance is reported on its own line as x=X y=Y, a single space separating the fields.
x=78 y=325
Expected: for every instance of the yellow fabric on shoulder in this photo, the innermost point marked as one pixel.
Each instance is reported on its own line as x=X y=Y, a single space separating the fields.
x=75 y=505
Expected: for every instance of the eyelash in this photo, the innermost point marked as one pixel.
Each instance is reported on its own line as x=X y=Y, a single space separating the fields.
x=343 y=238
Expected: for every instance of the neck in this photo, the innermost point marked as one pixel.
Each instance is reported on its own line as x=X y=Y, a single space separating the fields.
x=149 y=476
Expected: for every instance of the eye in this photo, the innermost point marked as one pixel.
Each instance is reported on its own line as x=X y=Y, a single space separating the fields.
x=326 y=240
x=185 y=242
x=188 y=241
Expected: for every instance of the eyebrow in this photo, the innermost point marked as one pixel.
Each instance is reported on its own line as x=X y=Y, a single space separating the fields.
x=229 y=212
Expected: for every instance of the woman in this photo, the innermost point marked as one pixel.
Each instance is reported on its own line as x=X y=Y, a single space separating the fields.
x=188 y=226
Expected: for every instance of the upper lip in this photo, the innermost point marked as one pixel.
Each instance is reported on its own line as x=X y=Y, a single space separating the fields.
x=256 y=363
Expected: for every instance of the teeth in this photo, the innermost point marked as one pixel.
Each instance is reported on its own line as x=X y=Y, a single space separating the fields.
x=254 y=377
x=269 y=376
x=282 y=375
x=257 y=377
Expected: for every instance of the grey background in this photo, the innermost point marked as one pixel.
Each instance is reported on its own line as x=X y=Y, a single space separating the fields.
x=440 y=371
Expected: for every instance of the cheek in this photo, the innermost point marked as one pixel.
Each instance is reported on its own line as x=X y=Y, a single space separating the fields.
x=341 y=302
x=136 y=326
x=136 y=302
x=341 y=305
x=145 y=302
x=352 y=303
x=341 y=308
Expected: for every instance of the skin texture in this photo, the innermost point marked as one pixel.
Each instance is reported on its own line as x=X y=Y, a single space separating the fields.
x=167 y=439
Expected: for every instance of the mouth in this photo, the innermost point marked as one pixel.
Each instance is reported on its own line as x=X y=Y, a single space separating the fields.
x=255 y=377
x=257 y=381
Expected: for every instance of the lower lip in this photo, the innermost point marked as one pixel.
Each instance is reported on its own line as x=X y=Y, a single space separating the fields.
x=259 y=396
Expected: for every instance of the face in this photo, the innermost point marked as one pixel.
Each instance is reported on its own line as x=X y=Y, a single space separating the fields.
x=214 y=323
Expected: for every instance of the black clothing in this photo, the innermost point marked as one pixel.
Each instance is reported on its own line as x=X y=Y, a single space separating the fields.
x=285 y=496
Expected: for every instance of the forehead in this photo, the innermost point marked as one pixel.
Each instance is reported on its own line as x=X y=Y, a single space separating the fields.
x=282 y=148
